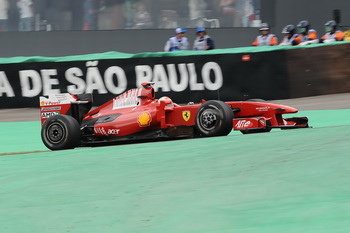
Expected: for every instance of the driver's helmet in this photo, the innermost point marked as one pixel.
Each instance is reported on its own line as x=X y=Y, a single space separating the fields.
x=303 y=26
x=330 y=25
x=289 y=29
x=166 y=100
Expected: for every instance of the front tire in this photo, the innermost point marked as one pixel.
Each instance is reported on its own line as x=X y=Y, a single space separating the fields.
x=61 y=132
x=214 y=118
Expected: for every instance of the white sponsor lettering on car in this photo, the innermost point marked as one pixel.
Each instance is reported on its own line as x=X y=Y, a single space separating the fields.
x=243 y=124
x=49 y=114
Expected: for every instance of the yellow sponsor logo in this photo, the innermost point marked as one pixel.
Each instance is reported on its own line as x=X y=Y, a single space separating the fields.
x=43 y=103
x=144 y=119
x=347 y=35
x=186 y=115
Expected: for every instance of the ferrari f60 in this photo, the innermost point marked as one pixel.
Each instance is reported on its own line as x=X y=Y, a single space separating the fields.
x=68 y=121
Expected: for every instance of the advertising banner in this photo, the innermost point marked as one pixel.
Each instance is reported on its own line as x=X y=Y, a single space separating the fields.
x=185 y=79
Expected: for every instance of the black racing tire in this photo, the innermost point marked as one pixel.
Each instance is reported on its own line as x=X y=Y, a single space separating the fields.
x=61 y=132
x=214 y=118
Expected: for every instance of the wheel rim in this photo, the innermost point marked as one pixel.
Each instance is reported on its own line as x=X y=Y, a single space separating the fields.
x=208 y=119
x=55 y=133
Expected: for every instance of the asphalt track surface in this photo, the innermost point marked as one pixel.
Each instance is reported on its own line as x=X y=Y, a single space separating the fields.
x=282 y=181
x=335 y=101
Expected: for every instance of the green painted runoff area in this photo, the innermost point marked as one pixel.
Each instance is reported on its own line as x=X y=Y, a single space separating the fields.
x=282 y=181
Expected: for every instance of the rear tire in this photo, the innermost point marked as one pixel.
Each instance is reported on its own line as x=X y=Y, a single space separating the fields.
x=61 y=132
x=214 y=118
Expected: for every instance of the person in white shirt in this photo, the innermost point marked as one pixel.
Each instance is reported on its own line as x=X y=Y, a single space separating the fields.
x=203 y=41
x=4 y=6
x=332 y=33
x=197 y=12
x=265 y=38
x=142 y=18
x=178 y=42
x=290 y=38
x=26 y=15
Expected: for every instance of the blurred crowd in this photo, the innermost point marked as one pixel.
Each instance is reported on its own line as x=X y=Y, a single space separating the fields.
x=45 y=15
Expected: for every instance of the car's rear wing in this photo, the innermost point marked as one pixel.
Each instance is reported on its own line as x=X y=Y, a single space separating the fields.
x=64 y=104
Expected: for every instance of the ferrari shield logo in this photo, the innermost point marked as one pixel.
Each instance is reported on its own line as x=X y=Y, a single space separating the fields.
x=186 y=115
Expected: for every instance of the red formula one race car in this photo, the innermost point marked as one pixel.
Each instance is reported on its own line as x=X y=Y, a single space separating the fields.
x=67 y=121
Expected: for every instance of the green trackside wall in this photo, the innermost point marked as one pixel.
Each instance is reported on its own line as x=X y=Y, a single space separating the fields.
x=267 y=73
x=117 y=55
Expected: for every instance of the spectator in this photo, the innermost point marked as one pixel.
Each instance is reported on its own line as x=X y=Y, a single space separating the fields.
x=102 y=5
x=332 y=34
x=347 y=36
x=306 y=35
x=26 y=15
x=256 y=7
x=168 y=19
x=244 y=15
x=203 y=41
x=128 y=14
x=142 y=18
x=178 y=42
x=228 y=12
x=196 y=9
x=290 y=37
x=117 y=11
x=90 y=8
x=265 y=38
x=4 y=6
